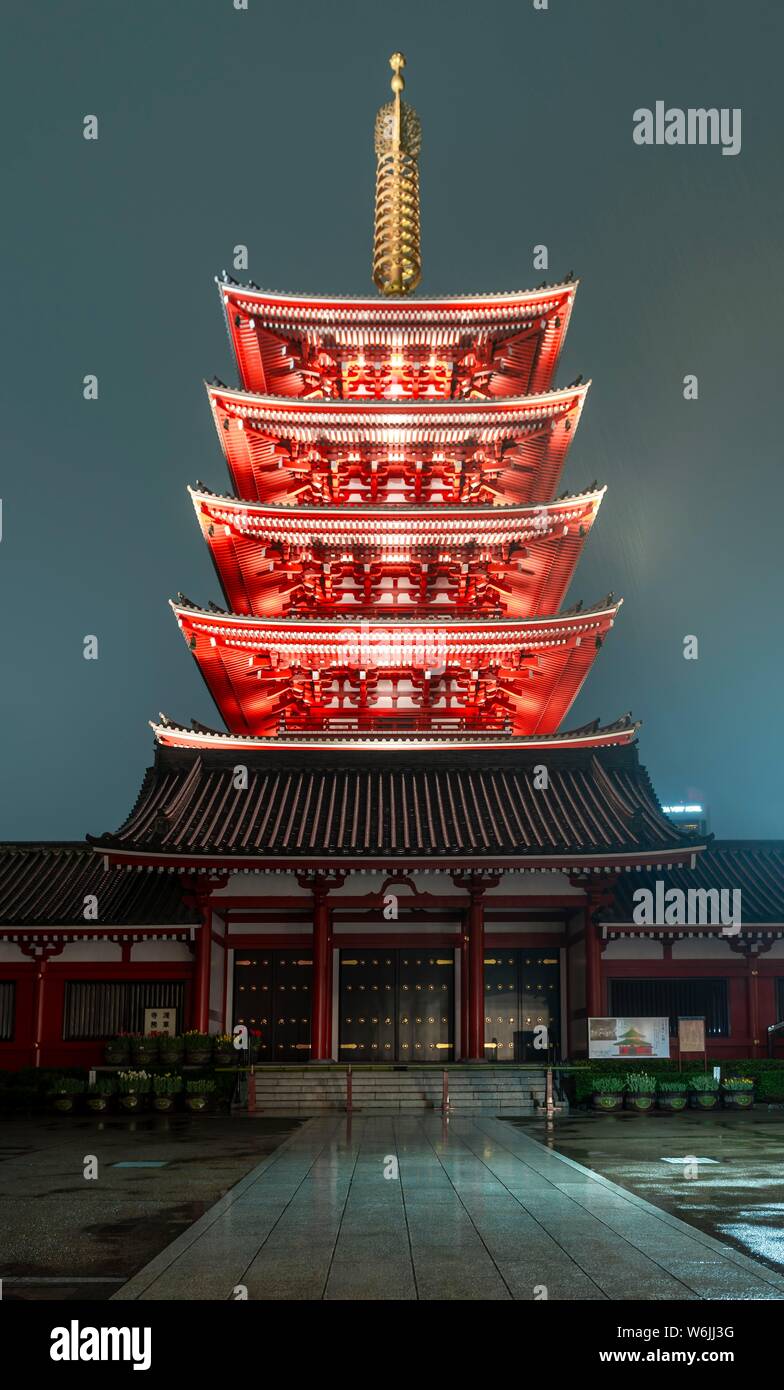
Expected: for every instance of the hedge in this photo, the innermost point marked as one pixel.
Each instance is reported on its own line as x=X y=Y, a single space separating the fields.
x=767 y=1073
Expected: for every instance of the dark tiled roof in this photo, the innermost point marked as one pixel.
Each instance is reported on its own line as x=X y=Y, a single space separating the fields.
x=46 y=885
x=755 y=867
x=449 y=806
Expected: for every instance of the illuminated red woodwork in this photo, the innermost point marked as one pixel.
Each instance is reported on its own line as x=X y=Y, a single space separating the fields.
x=394 y=560
x=379 y=562
x=298 y=674
x=482 y=345
x=418 y=452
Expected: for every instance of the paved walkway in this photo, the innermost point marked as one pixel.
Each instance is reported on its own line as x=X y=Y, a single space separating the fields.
x=479 y=1210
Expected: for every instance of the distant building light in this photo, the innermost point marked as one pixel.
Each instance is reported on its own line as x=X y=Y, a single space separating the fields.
x=679 y=810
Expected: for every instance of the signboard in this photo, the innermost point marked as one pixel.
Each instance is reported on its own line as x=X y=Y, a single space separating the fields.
x=628 y=1039
x=160 y=1021
x=691 y=1034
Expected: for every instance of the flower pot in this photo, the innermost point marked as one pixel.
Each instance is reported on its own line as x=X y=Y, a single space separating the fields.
x=143 y=1052
x=63 y=1104
x=97 y=1104
x=224 y=1057
x=170 y=1056
x=671 y=1100
x=198 y=1056
x=641 y=1102
x=704 y=1100
x=163 y=1104
x=132 y=1102
x=738 y=1100
x=196 y=1103
x=117 y=1054
x=607 y=1101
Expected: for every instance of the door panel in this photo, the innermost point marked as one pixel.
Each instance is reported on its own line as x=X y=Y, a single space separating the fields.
x=367 y=1006
x=425 y=1005
x=396 y=1005
x=522 y=993
x=272 y=994
x=502 y=1006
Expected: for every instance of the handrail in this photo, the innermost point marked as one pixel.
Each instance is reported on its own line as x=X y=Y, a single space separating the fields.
x=773 y=1028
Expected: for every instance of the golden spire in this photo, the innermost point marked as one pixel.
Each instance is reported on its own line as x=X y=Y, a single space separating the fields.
x=397 y=260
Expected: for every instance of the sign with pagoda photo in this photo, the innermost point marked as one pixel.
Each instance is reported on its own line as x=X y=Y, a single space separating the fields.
x=621 y=1038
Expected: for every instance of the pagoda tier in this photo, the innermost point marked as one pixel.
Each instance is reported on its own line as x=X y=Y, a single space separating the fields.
x=172 y=735
x=520 y=676
x=500 y=451
x=481 y=346
x=275 y=561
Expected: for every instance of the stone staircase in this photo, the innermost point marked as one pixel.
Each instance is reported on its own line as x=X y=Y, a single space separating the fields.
x=478 y=1090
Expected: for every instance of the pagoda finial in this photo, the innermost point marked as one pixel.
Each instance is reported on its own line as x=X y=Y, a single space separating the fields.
x=397 y=260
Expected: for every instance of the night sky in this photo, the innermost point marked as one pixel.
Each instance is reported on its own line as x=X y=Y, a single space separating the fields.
x=219 y=127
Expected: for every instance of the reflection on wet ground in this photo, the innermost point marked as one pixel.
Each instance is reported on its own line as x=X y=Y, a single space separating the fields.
x=738 y=1197
x=65 y=1235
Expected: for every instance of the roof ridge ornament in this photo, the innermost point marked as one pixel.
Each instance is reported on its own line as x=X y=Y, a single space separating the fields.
x=397 y=259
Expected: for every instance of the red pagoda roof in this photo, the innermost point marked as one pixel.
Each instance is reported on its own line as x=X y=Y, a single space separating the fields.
x=294 y=345
x=275 y=560
x=510 y=449
x=521 y=675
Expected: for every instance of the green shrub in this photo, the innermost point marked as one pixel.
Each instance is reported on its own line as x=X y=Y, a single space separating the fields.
x=167 y=1084
x=133 y=1082
x=202 y=1086
x=640 y=1083
x=770 y=1086
x=66 y=1086
x=102 y=1086
x=608 y=1085
x=671 y=1085
x=703 y=1081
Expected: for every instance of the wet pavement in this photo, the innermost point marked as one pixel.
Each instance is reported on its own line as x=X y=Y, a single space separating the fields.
x=403 y=1207
x=738 y=1196
x=67 y=1235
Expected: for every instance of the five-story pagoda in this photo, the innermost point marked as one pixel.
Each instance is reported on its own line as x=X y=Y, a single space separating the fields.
x=393 y=663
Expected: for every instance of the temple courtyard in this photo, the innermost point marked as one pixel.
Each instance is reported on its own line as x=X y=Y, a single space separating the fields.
x=394 y=1207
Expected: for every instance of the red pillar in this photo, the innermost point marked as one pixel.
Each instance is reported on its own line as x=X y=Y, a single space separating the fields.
x=593 y=964
x=321 y=1005
x=476 y=977
x=754 y=1029
x=464 y=992
x=200 y=1012
x=38 y=1009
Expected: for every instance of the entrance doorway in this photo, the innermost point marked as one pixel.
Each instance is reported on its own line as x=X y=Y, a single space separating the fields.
x=396 y=1005
x=272 y=993
x=522 y=993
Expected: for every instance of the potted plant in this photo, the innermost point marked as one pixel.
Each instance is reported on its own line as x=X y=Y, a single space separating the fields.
x=117 y=1052
x=63 y=1092
x=197 y=1093
x=640 y=1092
x=703 y=1091
x=224 y=1054
x=198 y=1048
x=99 y=1094
x=171 y=1049
x=165 y=1089
x=671 y=1093
x=133 y=1088
x=737 y=1092
x=144 y=1048
x=607 y=1092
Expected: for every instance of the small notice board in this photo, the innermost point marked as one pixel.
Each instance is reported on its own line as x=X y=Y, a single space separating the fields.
x=691 y=1036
